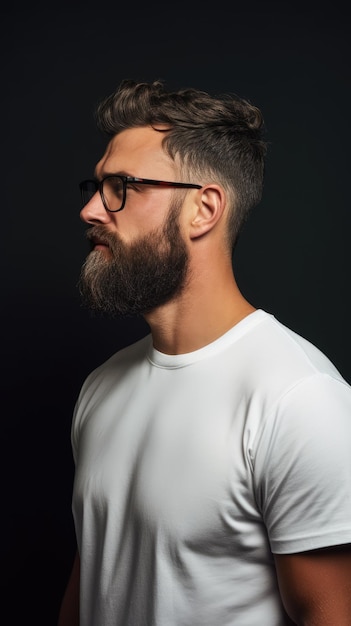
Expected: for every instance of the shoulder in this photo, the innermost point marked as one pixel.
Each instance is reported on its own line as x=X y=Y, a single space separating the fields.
x=300 y=423
x=278 y=346
x=279 y=367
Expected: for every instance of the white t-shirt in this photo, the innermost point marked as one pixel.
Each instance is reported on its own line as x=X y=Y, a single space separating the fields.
x=192 y=469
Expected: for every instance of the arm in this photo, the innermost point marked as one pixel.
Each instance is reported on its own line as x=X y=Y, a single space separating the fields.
x=69 y=611
x=315 y=586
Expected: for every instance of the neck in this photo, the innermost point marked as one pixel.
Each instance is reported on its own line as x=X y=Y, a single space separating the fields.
x=206 y=309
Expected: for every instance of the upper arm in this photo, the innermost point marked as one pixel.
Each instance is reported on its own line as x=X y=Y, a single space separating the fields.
x=315 y=586
x=69 y=611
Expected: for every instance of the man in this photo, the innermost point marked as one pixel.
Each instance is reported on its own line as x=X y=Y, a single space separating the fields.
x=213 y=465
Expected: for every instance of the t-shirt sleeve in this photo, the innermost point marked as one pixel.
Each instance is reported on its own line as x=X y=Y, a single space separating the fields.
x=302 y=467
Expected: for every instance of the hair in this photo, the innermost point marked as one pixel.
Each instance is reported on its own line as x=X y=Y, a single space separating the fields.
x=214 y=138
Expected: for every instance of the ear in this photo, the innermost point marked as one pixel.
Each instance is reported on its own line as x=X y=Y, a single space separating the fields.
x=208 y=210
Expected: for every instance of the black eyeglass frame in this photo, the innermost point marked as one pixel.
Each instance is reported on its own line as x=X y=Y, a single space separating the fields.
x=98 y=184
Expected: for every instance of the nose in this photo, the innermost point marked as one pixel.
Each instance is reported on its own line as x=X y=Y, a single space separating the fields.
x=94 y=211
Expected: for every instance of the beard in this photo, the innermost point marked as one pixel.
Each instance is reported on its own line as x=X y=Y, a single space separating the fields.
x=137 y=277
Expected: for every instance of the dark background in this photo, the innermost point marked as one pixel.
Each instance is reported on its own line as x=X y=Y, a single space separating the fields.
x=293 y=258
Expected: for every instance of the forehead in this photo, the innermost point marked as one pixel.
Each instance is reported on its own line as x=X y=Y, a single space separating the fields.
x=137 y=152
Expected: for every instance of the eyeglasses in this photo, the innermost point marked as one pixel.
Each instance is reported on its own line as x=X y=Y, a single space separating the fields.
x=113 y=189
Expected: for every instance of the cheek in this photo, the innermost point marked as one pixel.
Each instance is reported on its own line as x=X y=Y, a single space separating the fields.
x=141 y=219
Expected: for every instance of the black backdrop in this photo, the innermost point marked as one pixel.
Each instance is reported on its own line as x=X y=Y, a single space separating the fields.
x=293 y=258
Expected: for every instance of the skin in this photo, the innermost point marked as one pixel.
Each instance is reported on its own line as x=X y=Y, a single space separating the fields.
x=315 y=587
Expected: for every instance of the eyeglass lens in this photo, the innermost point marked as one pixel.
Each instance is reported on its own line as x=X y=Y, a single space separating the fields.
x=112 y=191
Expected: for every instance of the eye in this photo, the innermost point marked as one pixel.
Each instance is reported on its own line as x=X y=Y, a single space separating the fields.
x=115 y=185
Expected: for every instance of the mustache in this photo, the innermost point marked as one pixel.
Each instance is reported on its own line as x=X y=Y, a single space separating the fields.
x=100 y=235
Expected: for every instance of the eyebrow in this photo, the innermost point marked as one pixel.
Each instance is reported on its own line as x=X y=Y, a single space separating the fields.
x=103 y=174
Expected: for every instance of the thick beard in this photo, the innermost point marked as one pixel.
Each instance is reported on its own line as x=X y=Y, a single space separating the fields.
x=140 y=276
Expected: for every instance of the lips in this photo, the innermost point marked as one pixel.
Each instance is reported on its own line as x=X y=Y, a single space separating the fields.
x=96 y=239
x=98 y=243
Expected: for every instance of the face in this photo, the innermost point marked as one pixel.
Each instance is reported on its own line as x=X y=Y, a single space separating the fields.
x=139 y=259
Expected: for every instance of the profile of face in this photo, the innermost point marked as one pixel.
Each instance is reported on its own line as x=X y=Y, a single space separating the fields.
x=139 y=258
x=138 y=276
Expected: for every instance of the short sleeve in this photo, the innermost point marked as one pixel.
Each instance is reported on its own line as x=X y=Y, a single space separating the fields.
x=302 y=466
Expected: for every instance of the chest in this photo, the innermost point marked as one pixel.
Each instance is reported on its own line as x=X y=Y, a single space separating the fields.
x=171 y=458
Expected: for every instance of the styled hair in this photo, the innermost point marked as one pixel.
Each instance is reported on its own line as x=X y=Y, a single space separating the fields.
x=214 y=138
